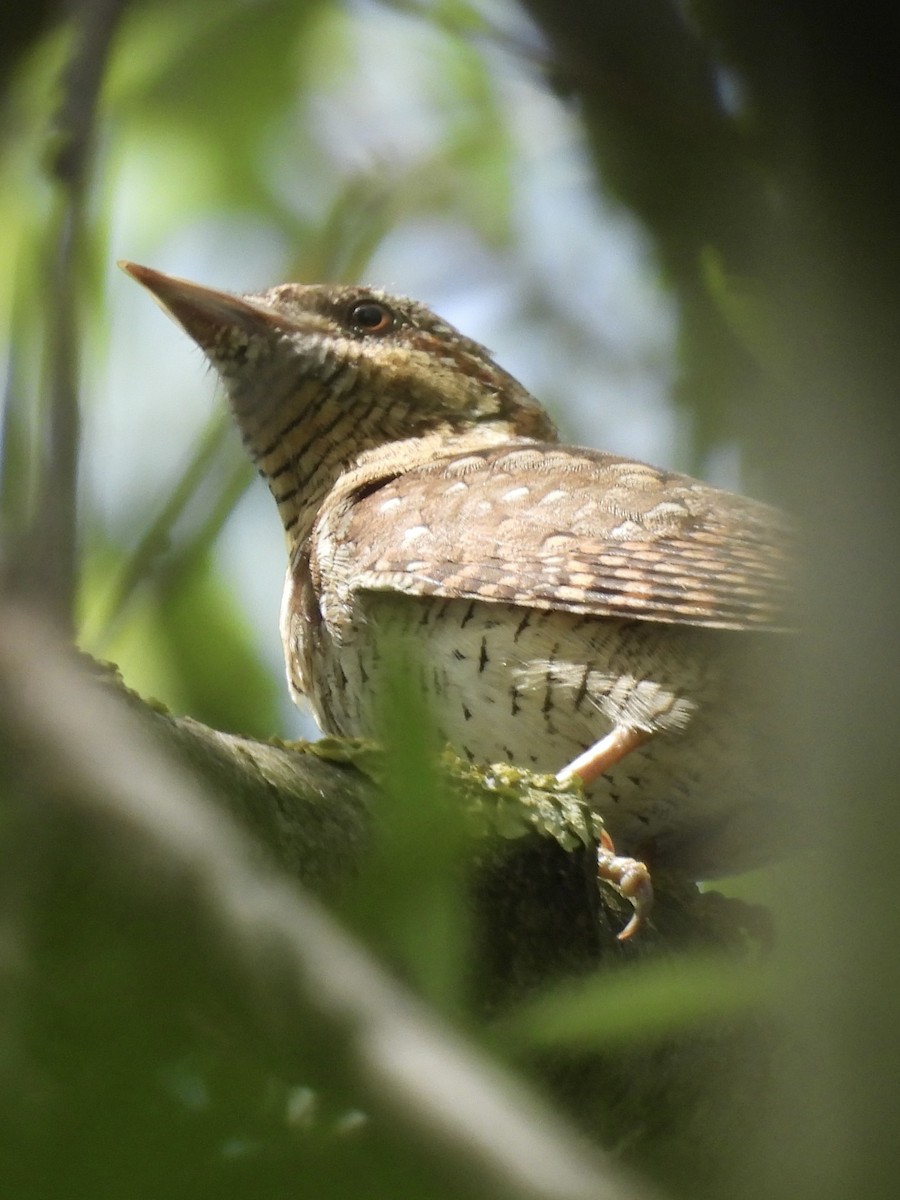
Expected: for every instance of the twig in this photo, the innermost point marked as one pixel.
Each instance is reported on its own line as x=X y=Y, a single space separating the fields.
x=155 y=538
x=51 y=573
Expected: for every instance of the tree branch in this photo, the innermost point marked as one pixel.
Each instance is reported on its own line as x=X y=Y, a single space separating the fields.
x=87 y=762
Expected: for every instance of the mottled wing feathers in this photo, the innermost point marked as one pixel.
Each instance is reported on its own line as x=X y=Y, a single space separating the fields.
x=577 y=530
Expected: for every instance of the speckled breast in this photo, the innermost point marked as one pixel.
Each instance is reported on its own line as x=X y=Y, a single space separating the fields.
x=536 y=688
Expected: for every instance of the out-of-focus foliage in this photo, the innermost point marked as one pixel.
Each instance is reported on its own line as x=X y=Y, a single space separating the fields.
x=437 y=148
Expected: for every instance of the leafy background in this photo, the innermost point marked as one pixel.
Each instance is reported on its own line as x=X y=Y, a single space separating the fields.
x=677 y=225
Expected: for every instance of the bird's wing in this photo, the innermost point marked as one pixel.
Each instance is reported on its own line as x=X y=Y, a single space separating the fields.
x=571 y=529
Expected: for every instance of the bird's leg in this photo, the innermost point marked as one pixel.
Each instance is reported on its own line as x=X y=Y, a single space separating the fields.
x=604 y=754
x=629 y=876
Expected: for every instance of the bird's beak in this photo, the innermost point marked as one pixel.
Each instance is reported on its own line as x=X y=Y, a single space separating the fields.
x=204 y=312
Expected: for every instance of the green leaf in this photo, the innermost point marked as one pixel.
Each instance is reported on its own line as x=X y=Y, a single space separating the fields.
x=645 y=1001
x=409 y=899
x=187 y=644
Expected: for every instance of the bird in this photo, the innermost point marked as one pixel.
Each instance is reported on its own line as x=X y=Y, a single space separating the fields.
x=569 y=610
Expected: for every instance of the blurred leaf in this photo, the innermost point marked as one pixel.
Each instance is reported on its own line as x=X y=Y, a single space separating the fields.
x=188 y=645
x=164 y=547
x=648 y=1001
x=361 y=212
x=410 y=897
x=175 y=65
x=220 y=675
x=742 y=303
x=479 y=149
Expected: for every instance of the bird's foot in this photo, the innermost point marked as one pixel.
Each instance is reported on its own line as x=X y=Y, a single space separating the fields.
x=630 y=878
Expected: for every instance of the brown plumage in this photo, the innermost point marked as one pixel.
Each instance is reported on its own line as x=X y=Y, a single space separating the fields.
x=574 y=530
x=555 y=598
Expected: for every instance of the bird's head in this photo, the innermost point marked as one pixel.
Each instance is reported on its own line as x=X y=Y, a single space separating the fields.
x=318 y=374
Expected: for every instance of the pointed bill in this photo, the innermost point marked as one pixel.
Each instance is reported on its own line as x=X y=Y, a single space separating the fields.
x=204 y=312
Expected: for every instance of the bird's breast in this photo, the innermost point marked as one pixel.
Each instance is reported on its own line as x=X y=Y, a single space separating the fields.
x=535 y=688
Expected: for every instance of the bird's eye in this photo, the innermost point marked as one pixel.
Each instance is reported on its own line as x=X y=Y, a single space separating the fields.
x=370 y=316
